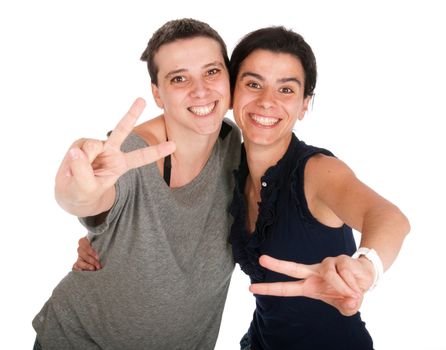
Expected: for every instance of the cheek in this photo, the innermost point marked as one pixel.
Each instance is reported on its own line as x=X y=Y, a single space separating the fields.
x=177 y=94
x=236 y=109
x=294 y=109
x=223 y=88
x=240 y=101
x=172 y=101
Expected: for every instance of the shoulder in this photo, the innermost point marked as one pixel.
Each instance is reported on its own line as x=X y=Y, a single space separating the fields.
x=231 y=123
x=133 y=142
x=151 y=132
x=229 y=128
x=304 y=158
x=325 y=166
x=303 y=151
x=328 y=179
x=230 y=136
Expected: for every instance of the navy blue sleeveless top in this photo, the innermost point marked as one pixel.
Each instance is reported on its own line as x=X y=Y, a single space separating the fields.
x=285 y=229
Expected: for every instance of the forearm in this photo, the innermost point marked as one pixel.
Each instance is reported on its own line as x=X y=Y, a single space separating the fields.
x=86 y=207
x=384 y=230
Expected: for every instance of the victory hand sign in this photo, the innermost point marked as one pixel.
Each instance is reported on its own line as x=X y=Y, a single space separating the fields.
x=339 y=281
x=85 y=180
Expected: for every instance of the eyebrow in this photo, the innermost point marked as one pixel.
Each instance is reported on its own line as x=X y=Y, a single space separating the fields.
x=292 y=79
x=175 y=72
x=261 y=78
x=215 y=63
x=182 y=70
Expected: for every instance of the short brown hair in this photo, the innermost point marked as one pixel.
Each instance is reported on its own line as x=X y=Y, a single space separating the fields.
x=171 y=31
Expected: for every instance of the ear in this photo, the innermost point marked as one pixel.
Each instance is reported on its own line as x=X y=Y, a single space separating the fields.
x=304 y=107
x=156 y=96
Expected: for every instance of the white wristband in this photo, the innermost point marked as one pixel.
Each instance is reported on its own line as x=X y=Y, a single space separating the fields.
x=373 y=256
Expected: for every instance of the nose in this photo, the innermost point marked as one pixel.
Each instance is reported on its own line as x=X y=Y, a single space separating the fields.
x=266 y=99
x=199 y=89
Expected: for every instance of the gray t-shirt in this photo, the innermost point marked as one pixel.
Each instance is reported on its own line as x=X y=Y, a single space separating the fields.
x=167 y=264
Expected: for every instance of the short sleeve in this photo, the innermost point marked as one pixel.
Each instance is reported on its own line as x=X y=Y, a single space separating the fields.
x=125 y=187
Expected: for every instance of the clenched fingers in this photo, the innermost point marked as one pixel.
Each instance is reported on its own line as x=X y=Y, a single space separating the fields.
x=330 y=274
x=87 y=253
x=81 y=265
x=347 y=306
x=92 y=148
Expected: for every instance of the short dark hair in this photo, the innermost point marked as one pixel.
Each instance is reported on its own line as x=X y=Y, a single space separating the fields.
x=276 y=39
x=178 y=29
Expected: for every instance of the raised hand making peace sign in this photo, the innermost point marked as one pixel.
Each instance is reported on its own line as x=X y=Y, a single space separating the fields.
x=85 y=180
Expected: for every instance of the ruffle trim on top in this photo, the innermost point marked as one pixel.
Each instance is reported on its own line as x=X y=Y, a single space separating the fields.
x=244 y=250
x=246 y=246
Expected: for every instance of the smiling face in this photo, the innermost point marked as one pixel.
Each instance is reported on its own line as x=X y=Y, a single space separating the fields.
x=269 y=97
x=193 y=84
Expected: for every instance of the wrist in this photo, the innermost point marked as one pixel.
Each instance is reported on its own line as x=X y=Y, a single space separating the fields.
x=370 y=273
x=374 y=262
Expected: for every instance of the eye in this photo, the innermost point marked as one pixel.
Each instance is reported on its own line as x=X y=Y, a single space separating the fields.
x=286 y=90
x=253 y=85
x=213 y=71
x=178 y=79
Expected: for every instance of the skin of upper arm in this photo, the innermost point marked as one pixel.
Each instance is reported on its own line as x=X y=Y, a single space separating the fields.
x=336 y=196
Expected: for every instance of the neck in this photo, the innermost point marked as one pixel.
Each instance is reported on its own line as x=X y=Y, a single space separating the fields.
x=261 y=157
x=192 y=150
x=191 y=154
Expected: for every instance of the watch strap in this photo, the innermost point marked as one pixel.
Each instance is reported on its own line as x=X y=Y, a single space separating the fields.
x=373 y=257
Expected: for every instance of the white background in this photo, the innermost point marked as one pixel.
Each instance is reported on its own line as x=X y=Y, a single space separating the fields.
x=71 y=69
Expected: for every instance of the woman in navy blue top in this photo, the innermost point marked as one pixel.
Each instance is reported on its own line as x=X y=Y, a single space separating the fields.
x=297 y=203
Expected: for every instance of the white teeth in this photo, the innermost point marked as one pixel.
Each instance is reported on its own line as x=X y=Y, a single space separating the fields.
x=202 y=110
x=266 y=121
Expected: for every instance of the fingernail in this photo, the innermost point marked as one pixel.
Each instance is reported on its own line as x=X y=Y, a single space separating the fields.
x=74 y=154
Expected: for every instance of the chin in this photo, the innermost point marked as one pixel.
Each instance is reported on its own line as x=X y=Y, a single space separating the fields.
x=209 y=129
x=259 y=138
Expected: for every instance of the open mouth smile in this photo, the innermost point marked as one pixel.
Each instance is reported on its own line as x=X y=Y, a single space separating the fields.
x=263 y=120
x=203 y=111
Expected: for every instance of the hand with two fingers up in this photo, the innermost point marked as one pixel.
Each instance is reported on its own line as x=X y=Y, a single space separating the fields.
x=85 y=180
x=339 y=281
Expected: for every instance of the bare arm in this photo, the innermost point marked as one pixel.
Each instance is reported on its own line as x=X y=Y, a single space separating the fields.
x=334 y=188
x=335 y=196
